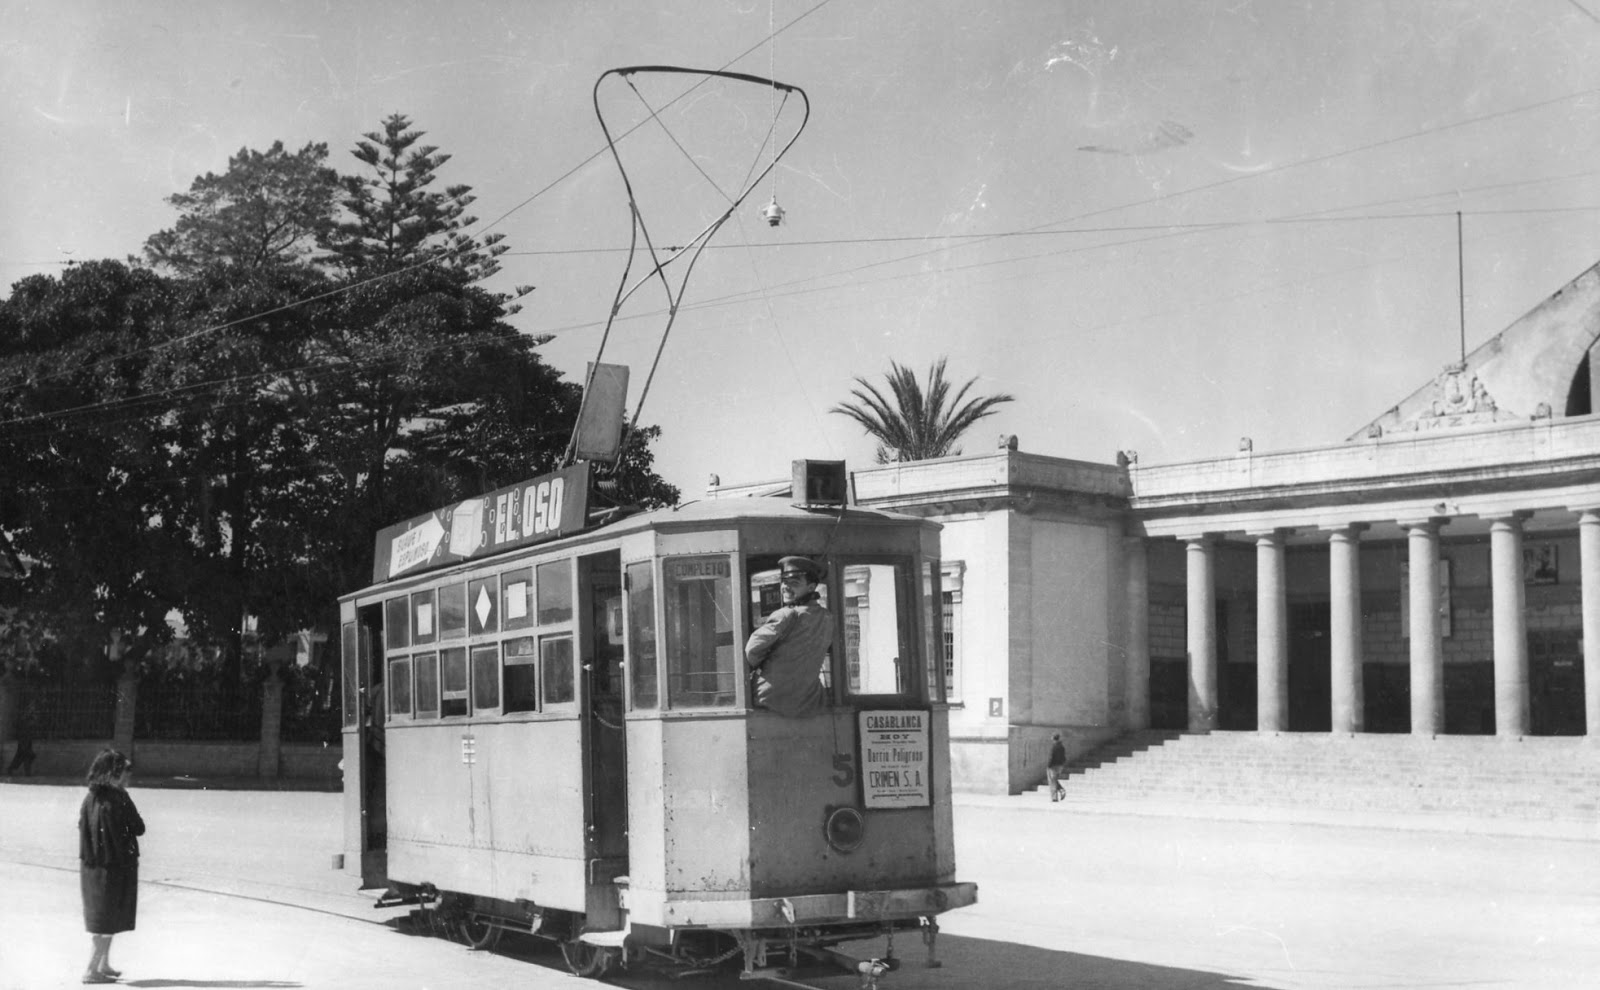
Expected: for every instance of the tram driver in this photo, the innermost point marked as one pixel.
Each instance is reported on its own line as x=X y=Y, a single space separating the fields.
x=786 y=651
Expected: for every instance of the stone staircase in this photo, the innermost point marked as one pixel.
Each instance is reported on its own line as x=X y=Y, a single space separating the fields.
x=1552 y=779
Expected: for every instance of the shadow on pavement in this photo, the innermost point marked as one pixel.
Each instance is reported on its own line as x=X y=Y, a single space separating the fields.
x=966 y=963
x=238 y=984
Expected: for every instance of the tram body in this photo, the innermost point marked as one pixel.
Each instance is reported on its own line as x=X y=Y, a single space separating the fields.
x=560 y=738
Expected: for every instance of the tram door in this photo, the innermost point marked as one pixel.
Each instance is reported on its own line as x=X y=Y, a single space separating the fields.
x=604 y=731
x=374 y=782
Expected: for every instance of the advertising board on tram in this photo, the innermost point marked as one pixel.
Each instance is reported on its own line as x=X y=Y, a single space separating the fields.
x=543 y=508
x=894 y=759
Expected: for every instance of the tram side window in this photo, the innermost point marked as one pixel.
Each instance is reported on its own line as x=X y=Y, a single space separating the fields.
x=483 y=606
x=642 y=635
x=396 y=627
x=522 y=676
x=399 y=686
x=486 y=678
x=424 y=628
x=453 y=682
x=452 y=611
x=555 y=592
x=425 y=668
x=555 y=659
x=352 y=682
x=701 y=671
x=879 y=647
x=517 y=587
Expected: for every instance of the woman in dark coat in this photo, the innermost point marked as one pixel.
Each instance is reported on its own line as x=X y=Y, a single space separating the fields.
x=108 y=848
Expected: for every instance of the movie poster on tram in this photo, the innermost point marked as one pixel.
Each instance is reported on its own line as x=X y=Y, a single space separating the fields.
x=894 y=759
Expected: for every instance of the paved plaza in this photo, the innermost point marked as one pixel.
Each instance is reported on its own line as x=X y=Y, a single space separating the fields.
x=238 y=892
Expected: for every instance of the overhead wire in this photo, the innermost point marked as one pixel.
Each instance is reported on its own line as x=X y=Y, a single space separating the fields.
x=471 y=244
x=767 y=293
x=962 y=240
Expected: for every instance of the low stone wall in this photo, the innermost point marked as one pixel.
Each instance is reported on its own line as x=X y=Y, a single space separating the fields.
x=311 y=762
x=300 y=763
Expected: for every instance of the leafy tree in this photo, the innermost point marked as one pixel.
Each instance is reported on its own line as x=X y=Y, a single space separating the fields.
x=914 y=422
x=268 y=208
x=222 y=435
x=235 y=429
x=86 y=466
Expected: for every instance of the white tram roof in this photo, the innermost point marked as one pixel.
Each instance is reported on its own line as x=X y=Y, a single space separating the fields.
x=698 y=514
x=732 y=510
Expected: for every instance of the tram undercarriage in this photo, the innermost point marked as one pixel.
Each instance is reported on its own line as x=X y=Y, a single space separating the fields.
x=783 y=955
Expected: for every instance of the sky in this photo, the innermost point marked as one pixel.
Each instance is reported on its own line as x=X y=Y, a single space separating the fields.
x=1160 y=226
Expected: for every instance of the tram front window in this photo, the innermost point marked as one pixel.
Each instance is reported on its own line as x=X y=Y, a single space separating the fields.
x=701 y=671
x=879 y=659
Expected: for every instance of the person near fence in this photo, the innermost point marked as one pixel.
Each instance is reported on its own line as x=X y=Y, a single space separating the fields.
x=109 y=827
x=1056 y=766
x=23 y=757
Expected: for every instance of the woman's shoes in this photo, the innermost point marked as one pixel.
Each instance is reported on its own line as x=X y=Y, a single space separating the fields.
x=99 y=978
x=115 y=974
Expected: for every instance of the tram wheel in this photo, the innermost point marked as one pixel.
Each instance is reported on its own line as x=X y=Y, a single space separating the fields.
x=479 y=934
x=592 y=961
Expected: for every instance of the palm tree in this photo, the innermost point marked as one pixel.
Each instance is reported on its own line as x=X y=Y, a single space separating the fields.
x=914 y=422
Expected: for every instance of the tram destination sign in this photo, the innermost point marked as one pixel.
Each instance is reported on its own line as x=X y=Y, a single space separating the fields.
x=543 y=508
x=894 y=759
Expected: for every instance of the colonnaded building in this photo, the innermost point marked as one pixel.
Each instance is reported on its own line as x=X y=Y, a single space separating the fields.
x=1436 y=573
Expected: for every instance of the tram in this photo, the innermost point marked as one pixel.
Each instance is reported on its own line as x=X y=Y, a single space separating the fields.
x=549 y=728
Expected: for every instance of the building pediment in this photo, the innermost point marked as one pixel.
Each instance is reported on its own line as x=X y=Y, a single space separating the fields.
x=1541 y=366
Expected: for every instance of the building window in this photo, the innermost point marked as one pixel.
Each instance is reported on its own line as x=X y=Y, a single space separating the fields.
x=951 y=576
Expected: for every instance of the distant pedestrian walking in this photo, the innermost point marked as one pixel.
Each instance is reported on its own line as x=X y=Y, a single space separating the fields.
x=1056 y=766
x=109 y=827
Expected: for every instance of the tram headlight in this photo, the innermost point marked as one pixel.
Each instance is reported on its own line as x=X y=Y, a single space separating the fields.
x=845 y=829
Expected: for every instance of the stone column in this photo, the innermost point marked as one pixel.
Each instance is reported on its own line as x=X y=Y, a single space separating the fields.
x=1510 y=626
x=1202 y=633
x=1589 y=566
x=1272 y=634
x=1427 y=645
x=1344 y=633
x=1137 y=575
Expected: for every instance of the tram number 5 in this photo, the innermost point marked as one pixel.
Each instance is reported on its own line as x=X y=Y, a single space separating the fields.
x=845 y=763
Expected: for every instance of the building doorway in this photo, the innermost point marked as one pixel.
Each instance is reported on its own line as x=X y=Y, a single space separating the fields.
x=1310 y=663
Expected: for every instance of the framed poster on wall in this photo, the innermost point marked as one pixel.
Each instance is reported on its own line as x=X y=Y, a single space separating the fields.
x=1539 y=563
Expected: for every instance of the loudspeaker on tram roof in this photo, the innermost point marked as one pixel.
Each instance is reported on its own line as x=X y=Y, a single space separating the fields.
x=820 y=484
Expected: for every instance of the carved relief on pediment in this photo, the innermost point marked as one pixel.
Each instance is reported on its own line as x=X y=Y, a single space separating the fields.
x=1459 y=398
